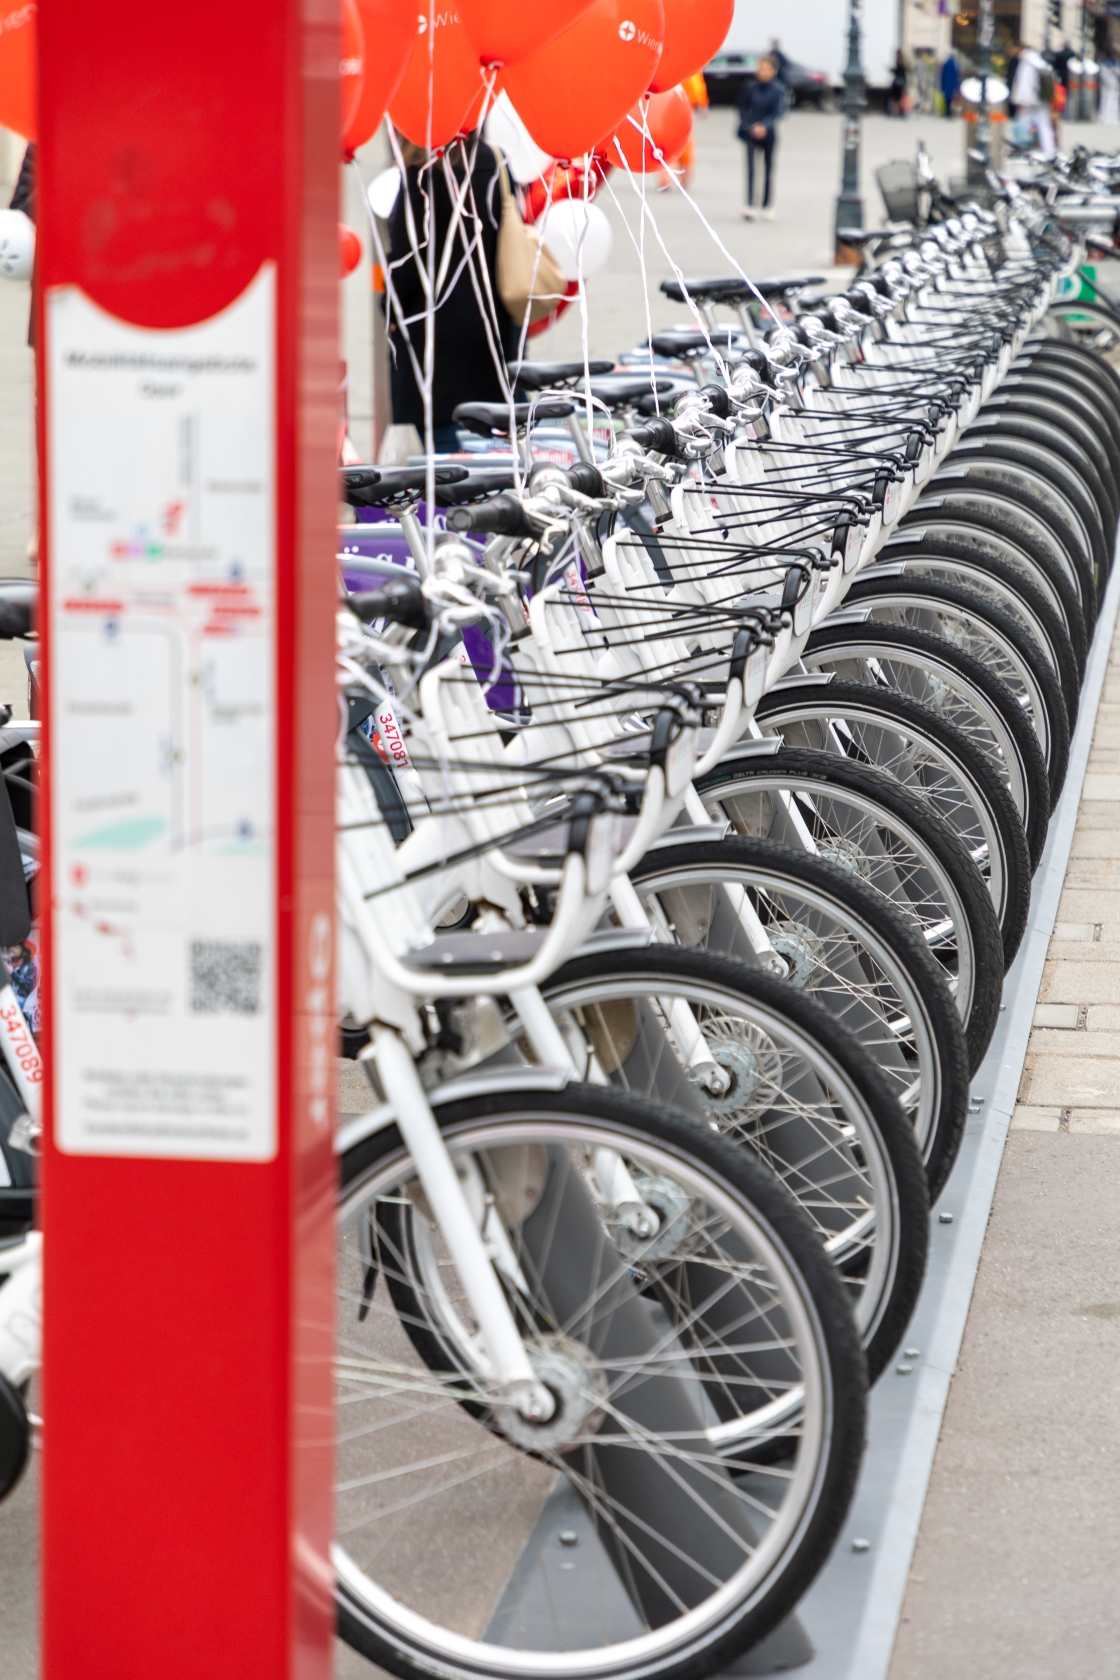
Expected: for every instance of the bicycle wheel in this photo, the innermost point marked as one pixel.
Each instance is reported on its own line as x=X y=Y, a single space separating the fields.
x=843 y=945
x=973 y=623
x=1068 y=434
x=709 y=1388
x=1010 y=591
x=754 y=1059
x=1023 y=526
x=1011 y=485
x=949 y=536
x=931 y=759
x=959 y=690
x=1088 y=325
x=995 y=449
x=867 y=822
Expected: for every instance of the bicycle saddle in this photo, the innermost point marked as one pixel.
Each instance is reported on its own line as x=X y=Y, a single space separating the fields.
x=684 y=343
x=541 y=376
x=489 y=418
x=787 y=285
x=479 y=482
x=733 y=289
x=380 y=486
x=622 y=390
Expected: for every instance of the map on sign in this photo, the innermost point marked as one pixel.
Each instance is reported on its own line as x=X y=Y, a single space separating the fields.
x=161 y=450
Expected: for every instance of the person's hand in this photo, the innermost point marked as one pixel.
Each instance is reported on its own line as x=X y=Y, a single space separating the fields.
x=758 y=132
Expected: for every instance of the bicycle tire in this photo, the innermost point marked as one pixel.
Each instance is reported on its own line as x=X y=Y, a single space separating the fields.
x=964 y=607
x=873 y=1115
x=958 y=774
x=1013 y=594
x=402 y=1637
x=878 y=935
x=1021 y=526
x=1052 y=470
x=967 y=904
x=914 y=645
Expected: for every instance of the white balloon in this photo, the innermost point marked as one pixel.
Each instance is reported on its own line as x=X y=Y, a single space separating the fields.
x=972 y=90
x=382 y=192
x=578 y=235
x=505 y=130
x=17 y=245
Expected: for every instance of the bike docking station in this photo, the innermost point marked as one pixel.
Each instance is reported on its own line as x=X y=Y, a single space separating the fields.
x=186 y=331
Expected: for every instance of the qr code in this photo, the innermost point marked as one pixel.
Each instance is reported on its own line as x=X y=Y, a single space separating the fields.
x=225 y=978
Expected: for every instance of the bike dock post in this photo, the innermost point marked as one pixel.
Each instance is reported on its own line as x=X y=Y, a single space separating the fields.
x=188 y=370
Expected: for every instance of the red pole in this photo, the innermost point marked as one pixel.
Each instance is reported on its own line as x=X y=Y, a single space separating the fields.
x=188 y=365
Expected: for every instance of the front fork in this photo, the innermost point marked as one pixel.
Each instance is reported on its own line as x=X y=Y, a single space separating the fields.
x=510 y=1367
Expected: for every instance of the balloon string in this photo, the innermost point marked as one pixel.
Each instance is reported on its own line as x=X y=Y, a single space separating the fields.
x=683 y=190
x=395 y=307
x=645 y=212
x=639 y=246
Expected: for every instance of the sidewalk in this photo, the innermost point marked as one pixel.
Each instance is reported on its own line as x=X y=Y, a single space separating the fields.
x=1014 y=1573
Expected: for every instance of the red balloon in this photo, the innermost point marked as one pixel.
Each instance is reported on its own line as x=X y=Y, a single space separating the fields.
x=695 y=30
x=349 y=249
x=669 y=121
x=390 y=30
x=578 y=87
x=352 y=62
x=432 y=113
x=18 y=53
x=506 y=33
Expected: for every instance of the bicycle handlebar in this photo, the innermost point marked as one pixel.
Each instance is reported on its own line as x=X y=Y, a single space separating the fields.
x=503 y=516
x=400 y=600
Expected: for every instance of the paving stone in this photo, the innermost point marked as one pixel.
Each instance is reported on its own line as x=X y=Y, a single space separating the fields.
x=1086 y=949
x=1096 y=816
x=1069 y=931
x=1096 y=842
x=1090 y=1121
x=1060 y=1041
x=1104 y=1018
x=1072 y=1082
x=1060 y=1015
x=1084 y=982
x=1099 y=786
x=1027 y=1119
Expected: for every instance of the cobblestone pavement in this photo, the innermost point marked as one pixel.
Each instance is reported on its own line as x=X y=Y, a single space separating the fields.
x=1019 y=1551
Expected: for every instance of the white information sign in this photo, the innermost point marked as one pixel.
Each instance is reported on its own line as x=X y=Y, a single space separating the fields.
x=162 y=548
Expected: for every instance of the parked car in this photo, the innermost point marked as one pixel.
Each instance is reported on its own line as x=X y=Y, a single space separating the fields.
x=728 y=71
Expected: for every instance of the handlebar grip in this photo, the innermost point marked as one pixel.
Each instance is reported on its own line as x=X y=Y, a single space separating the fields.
x=657 y=435
x=400 y=600
x=502 y=516
x=718 y=400
x=587 y=479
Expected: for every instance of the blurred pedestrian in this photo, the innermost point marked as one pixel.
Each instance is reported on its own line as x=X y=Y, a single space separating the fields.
x=1110 y=91
x=898 y=94
x=781 y=64
x=1031 y=94
x=467 y=340
x=950 y=83
x=760 y=110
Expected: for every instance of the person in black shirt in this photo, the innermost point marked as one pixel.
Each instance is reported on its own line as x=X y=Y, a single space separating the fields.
x=464 y=361
x=760 y=107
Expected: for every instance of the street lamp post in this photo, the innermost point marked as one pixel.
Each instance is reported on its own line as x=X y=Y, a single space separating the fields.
x=849 y=205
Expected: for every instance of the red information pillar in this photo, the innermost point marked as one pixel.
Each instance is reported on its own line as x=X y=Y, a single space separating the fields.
x=188 y=369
